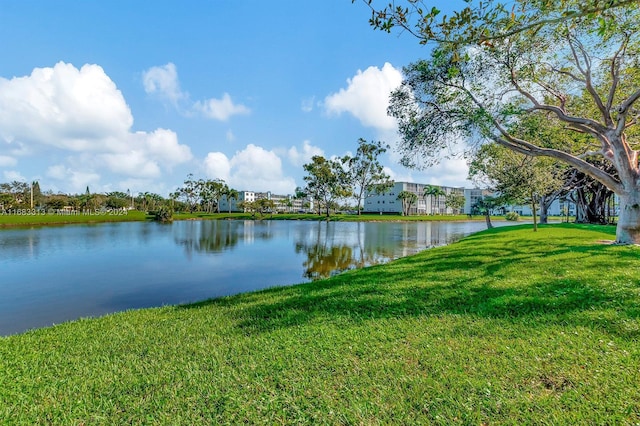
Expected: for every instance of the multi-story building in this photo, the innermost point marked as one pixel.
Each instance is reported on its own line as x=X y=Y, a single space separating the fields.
x=388 y=202
x=283 y=203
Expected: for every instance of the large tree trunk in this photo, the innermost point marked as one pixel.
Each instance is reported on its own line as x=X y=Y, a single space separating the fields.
x=545 y=203
x=487 y=218
x=628 y=230
x=533 y=210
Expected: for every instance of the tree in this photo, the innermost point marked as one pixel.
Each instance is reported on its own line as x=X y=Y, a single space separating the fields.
x=116 y=200
x=231 y=194
x=36 y=194
x=408 y=198
x=483 y=22
x=432 y=191
x=454 y=201
x=326 y=181
x=581 y=75
x=485 y=205
x=365 y=173
x=189 y=193
x=517 y=177
x=15 y=195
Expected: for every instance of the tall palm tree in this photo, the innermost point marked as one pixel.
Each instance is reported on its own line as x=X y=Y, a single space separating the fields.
x=231 y=194
x=433 y=191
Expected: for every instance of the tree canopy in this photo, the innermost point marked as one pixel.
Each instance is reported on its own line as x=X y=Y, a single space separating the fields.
x=579 y=76
x=483 y=22
x=365 y=173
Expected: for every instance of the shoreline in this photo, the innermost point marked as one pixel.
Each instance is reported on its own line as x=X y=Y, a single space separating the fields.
x=17 y=221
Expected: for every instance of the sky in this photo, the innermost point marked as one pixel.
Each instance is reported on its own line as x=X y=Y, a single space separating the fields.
x=134 y=96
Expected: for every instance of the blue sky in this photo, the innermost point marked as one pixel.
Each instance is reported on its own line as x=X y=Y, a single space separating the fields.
x=122 y=95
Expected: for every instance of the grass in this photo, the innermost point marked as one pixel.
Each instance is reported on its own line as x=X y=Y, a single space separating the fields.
x=333 y=217
x=505 y=327
x=11 y=220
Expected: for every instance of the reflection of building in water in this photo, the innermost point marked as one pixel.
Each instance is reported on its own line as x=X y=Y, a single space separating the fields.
x=388 y=202
x=211 y=236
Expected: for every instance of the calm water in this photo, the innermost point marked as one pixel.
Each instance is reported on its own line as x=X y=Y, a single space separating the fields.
x=53 y=274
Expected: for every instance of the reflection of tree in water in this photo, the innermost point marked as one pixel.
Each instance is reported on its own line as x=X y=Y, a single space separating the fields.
x=324 y=260
x=327 y=256
x=208 y=236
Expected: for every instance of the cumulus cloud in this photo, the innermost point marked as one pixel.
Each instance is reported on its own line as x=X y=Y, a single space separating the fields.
x=366 y=97
x=64 y=107
x=300 y=157
x=252 y=169
x=220 y=109
x=81 y=112
x=163 y=81
x=217 y=166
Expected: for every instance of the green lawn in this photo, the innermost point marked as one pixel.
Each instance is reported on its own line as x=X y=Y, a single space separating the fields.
x=333 y=217
x=9 y=220
x=505 y=327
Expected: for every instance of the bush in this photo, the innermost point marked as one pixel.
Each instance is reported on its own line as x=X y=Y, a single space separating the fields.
x=163 y=214
x=513 y=216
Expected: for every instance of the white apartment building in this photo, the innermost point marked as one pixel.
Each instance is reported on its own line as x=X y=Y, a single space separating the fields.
x=388 y=202
x=283 y=203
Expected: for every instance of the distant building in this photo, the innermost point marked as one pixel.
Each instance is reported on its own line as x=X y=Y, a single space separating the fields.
x=388 y=202
x=283 y=203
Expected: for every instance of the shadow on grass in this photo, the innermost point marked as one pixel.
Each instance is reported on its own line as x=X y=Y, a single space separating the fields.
x=489 y=276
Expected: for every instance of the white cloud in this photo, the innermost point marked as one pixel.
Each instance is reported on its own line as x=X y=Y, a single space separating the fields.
x=162 y=145
x=449 y=172
x=64 y=107
x=11 y=175
x=6 y=161
x=163 y=81
x=252 y=169
x=220 y=109
x=299 y=158
x=307 y=104
x=132 y=163
x=217 y=166
x=367 y=97
x=82 y=113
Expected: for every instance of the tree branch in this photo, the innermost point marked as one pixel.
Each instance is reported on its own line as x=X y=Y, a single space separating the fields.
x=586 y=71
x=527 y=148
x=426 y=31
x=623 y=110
x=615 y=70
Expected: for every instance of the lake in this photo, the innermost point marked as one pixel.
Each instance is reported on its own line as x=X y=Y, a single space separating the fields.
x=59 y=273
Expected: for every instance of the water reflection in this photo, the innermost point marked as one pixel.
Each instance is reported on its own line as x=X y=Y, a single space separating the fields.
x=212 y=236
x=333 y=248
x=54 y=274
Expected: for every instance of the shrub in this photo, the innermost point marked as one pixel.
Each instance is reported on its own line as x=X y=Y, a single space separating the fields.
x=513 y=216
x=163 y=214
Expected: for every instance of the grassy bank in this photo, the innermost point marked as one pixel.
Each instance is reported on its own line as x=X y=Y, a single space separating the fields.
x=334 y=217
x=505 y=327
x=10 y=220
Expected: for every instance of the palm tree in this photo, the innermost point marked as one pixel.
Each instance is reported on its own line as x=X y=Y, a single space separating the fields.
x=433 y=191
x=407 y=198
x=231 y=194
